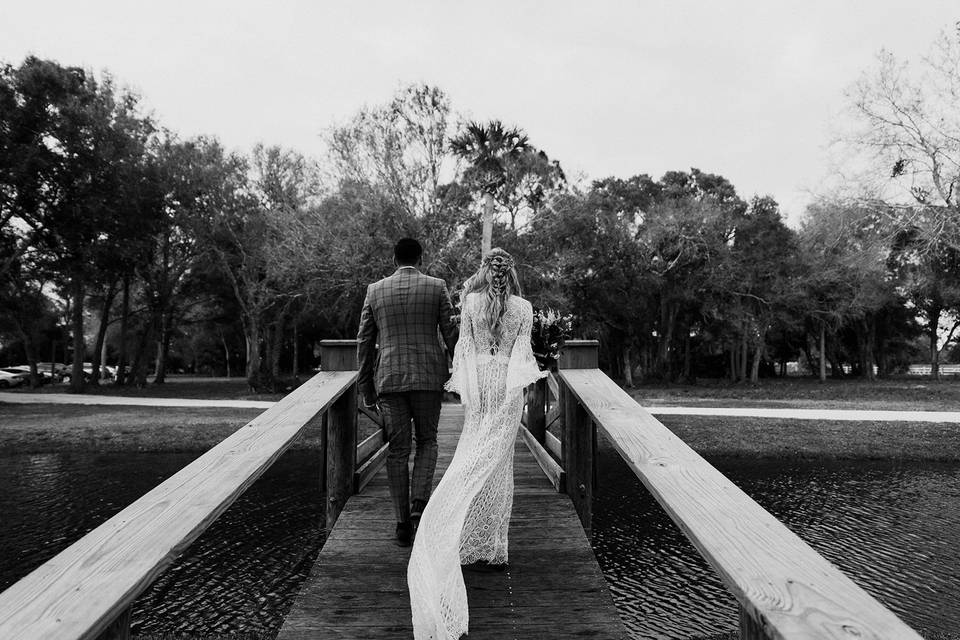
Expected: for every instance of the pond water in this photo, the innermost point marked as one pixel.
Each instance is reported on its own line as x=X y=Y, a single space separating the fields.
x=894 y=528
x=240 y=576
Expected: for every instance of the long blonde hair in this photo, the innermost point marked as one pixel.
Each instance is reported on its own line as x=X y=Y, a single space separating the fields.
x=497 y=280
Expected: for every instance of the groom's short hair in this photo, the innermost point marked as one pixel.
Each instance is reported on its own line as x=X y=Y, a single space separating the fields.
x=407 y=251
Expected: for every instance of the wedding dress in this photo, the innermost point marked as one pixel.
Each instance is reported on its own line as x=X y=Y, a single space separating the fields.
x=468 y=515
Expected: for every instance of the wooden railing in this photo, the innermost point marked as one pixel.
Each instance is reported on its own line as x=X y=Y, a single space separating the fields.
x=785 y=589
x=86 y=590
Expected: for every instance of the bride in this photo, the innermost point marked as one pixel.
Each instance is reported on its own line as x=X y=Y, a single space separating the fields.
x=467 y=518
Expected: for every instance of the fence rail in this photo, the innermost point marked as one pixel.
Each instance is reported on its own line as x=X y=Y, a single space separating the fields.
x=786 y=590
x=86 y=590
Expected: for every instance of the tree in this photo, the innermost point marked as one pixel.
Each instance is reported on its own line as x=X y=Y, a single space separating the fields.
x=907 y=126
x=926 y=265
x=906 y=130
x=489 y=149
x=268 y=248
x=66 y=151
x=401 y=149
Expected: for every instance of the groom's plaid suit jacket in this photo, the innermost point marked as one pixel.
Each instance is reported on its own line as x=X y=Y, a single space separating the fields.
x=401 y=314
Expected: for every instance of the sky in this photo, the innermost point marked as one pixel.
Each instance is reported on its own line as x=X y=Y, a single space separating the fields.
x=741 y=88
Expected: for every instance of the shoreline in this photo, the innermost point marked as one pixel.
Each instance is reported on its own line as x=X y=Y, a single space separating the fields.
x=36 y=429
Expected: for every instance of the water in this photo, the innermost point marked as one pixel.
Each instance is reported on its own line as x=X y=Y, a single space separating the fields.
x=241 y=575
x=894 y=528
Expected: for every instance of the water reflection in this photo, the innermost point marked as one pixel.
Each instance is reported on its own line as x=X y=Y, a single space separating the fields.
x=892 y=527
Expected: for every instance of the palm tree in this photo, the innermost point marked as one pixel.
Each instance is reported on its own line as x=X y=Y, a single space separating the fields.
x=487 y=148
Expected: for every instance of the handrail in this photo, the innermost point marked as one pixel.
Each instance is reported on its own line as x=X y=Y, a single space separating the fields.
x=87 y=588
x=786 y=589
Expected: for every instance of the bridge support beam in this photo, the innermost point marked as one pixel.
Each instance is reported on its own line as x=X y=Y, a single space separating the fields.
x=579 y=433
x=341 y=429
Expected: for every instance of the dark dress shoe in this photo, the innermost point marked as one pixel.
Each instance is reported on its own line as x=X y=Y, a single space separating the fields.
x=404 y=534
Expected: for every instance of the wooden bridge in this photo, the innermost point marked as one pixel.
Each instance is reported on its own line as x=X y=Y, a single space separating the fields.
x=553 y=588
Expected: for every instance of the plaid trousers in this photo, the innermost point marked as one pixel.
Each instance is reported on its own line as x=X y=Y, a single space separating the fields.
x=423 y=407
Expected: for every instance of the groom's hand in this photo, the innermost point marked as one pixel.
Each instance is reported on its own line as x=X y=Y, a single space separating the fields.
x=368 y=397
x=371 y=403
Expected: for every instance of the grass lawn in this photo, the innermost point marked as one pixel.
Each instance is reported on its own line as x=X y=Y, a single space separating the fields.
x=783 y=438
x=174 y=387
x=37 y=428
x=43 y=428
x=902 y=394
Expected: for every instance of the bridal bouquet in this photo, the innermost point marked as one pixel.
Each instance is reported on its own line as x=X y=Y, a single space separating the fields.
x=550 y=330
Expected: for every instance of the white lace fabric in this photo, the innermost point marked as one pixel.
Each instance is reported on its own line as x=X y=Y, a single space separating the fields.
x=468 y=515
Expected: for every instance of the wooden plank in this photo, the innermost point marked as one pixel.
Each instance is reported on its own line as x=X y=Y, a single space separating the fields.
x=341 y=453
x=553 y=415
x=369 y=469
x=370 y=445
x=553 y=587
x=578 y=456
x=554 y=386
x=81 y=590
x=549 y=466
x=784 y=587
x=553 y=445
x=376 y=417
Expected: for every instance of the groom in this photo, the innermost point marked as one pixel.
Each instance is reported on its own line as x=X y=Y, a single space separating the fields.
x=402 y=371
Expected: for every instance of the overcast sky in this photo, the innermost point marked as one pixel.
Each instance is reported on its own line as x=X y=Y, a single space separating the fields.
x=744 y=89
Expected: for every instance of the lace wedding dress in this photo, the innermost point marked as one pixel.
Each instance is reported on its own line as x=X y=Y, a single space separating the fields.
x=468 y=515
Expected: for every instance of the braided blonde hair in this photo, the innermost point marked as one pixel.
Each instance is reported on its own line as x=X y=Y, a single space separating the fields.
x=497 y=279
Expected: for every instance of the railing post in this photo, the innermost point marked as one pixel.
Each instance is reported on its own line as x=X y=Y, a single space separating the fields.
x=536 y=410
x=578 y=432
x=341 y=431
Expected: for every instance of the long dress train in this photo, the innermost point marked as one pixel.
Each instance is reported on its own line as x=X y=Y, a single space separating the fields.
x=468 y=515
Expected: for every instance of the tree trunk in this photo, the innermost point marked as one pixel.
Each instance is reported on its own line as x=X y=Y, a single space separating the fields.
x=668 y=316
x=733 y=361
x=744 y=356
x=687 y=357
x=868 y=337
x=163 y=348
x=226 y=351
x=627 y=367
x=823 y=352
x=121 y=378
x=79 y=345
x=30 y=352
x=934 y=351
x=487 y=242
x=99 y=348
x=757 y=354
x=138 y=370
x=252 y=335
x=276 y=347
x=296 y=351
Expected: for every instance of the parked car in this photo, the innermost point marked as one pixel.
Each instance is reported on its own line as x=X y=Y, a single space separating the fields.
x=45 y=376
x=58 y=368
x=9 y=380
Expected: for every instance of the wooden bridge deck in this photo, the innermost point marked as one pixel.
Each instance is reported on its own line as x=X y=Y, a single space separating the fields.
x=552 y=589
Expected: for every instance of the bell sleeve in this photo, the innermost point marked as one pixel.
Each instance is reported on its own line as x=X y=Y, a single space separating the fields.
x=522 y=369
x=463 y=378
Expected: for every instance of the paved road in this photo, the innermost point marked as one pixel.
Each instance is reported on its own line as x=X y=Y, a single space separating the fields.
x=745 y=412
x=69 y=398
x=811 y=414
